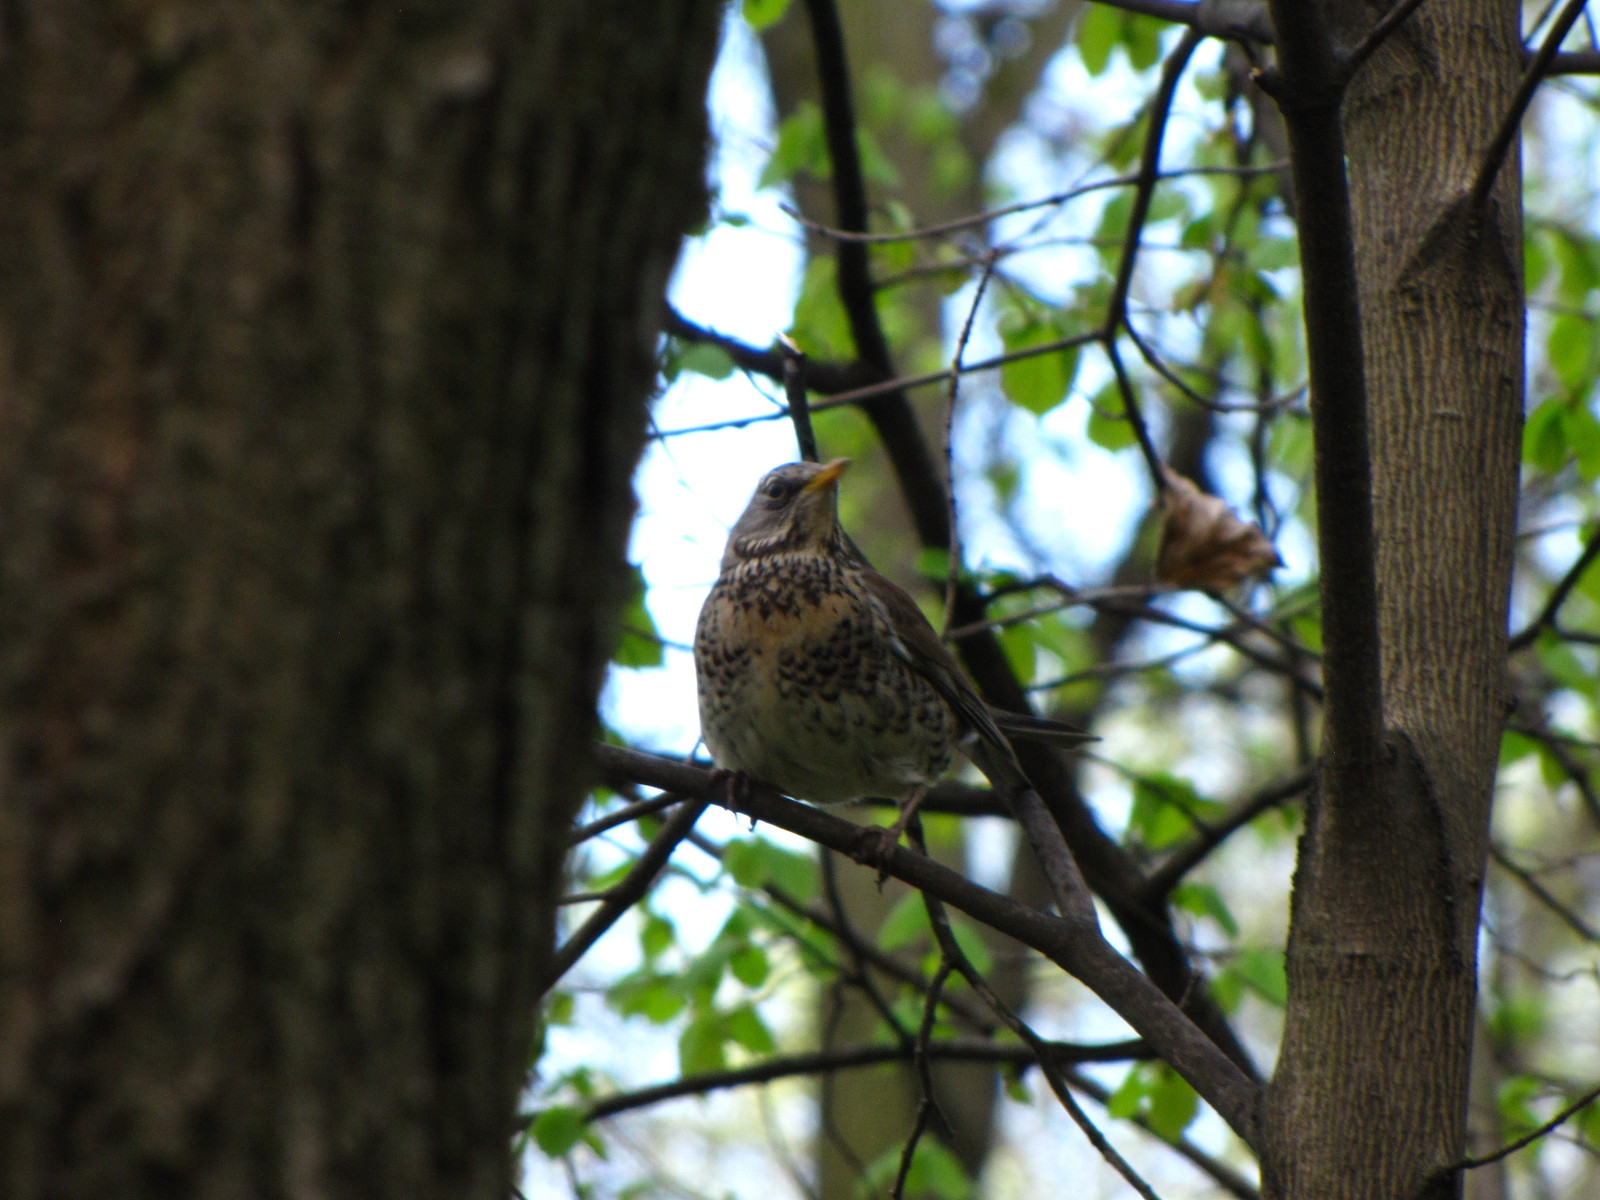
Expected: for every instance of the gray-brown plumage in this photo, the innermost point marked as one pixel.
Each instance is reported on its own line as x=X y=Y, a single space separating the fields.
x=821 y=678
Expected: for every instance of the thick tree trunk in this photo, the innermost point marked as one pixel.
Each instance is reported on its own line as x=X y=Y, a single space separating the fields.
x=1371 y=1092
x=324 y=331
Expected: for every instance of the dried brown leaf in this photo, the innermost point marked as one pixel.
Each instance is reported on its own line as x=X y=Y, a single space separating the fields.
x=1203 y=544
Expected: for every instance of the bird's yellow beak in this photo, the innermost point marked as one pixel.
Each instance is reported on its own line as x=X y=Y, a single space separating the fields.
x=828 y=476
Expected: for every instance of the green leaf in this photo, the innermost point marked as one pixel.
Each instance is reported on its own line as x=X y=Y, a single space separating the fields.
x=745 y=859
x=1098 y=31
x=1589 y=1122
x=1108 y=428
x=559 y=1008
x=1262 y=969
x=1142 y=41
x=1021 y=646
x=750 y=965
x=1517 y=1019
x=907 y=922
x=1203 y=900
x=820 y=326
x=756 y=862
x=557 y=1129
x=760 y=14
x=702 y=1046
x=1272 y=254
x=1544 y=440
x=934 y=1172
x=1165 y=809
x=801 y=146
x=933 y=562
x=1514 y=1100
x=746 y=1028
x=794 y=872
x=1557 y=658
x=657 y=998
x=1041 y=382
x=972 y=944
x=1172 y=1104
x=1514 y=747
x=1130 y=1093
x=639 y=643
x=1583 y=437
x=705 y=359
x=1570 y=349
x=656 y=933
x=875 y=164
x=1535 y=259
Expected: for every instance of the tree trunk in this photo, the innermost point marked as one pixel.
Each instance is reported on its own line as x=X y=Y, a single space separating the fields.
x=324 y=331
x=1371 y=1092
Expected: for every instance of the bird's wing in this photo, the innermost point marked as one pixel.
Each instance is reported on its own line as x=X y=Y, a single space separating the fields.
x=1039 y=729
x=920 y=646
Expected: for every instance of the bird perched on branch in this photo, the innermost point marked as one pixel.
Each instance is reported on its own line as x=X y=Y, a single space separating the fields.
x=822 y=679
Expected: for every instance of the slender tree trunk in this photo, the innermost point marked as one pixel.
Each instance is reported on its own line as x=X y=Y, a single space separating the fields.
x=1371 y=1092
x=324 y=331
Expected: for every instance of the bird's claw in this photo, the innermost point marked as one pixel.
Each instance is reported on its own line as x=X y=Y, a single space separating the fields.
x=736 y=787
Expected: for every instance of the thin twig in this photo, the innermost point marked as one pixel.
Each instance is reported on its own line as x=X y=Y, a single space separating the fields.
x=794 y=393
x=1532 y=76
x=622 y=897
x=1141 y=431
x=1147 y=178
x=994 y=214
x=819 y=1062
x=953 y=564
x=1543 y=894
x=1558 y=595
x=1376 y=36
x=855 y=946
x=1117 y=305
x=927 y=1105
x=1195 y=851
x=956 y=959
x=629 y=812
x=1527 y=1139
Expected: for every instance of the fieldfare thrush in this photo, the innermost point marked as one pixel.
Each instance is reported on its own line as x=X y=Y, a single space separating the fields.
x=821 y=678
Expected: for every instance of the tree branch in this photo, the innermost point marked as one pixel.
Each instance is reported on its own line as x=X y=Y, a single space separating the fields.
x=1376 y=36
x=955 y=959
x=1307 y=91
x=627 y=893
x=1192 y=853
x=1529 y=1138
x=1558 y=595
x=1077 y=946
x=1532 y=76
x=889 y=413
x=820 y=1062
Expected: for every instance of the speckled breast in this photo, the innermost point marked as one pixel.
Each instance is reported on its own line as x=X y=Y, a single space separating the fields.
x=801 y=688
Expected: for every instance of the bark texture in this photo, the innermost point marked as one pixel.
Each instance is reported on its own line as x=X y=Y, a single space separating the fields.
x=1370 y=1096
x=324 y=332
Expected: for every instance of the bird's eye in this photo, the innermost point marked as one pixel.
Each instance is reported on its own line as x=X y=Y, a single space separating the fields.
x=777 y=489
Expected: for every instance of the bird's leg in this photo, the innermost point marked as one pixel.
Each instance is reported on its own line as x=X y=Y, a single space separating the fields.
x=889 y=836
x=736 y=787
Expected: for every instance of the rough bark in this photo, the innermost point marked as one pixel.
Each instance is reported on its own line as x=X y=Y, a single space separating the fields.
x=1371 y=1091
x=324 y=332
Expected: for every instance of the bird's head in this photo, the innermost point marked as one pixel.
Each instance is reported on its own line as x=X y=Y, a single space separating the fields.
x=795 y=507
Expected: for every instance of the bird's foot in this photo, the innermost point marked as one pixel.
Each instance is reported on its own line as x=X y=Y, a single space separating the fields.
x=889 y=836
x=736 y=787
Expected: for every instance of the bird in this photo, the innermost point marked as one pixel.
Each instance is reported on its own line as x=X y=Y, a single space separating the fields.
x=820 y=678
